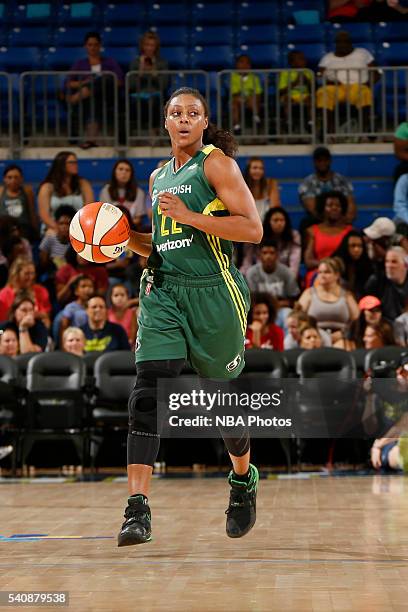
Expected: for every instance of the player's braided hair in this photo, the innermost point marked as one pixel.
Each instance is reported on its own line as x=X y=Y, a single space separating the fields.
x=212 y=135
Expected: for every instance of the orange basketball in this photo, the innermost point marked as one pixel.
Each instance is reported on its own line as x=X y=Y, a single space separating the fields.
x=99 y=232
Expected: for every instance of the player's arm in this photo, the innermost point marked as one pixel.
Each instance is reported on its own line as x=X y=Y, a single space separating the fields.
x=142 y=243
x=224 y=175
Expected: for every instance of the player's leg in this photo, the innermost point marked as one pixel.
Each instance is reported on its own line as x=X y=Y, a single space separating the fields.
x=143 y=447
x=215 y=332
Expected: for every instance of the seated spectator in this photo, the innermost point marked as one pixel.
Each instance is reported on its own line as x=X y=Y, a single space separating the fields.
x=53 y=247
x=265 y=190
x=401 y=204
x=62 y=185
x=73 y=341
x=121 y=313
x=297 y=319
x=278 y=226
x=74 y=313
x=76 y=265
x=22 y=278
x=401 y=150
x=323 y=180
x=93 y=95
x=347 y=10
x=370 y=314
x=295 y=89
x=102 y=335
x=401 y=327
x=246 y=90
x=123 y=190
x=17 y=201
x=148 y=87
x=380 y=236
x=378 y=335
x=391 y=287
x=262 y=331
x=309 y=337
x=347 y=79
x=9 y=342
x=333 y=307
x=322 y=239
x=270 y=276
x=32 y=333
x=10 y=237
x=357 y=264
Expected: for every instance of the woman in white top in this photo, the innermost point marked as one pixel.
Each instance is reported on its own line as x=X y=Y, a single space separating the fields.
x=62 y=185
x=265 y=190
x=123 y=190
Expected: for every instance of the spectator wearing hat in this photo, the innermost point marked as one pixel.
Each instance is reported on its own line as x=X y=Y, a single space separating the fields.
x=322 y=180
x=401 y=149
x=379 y=237
x=391 y=287
x=370 y=314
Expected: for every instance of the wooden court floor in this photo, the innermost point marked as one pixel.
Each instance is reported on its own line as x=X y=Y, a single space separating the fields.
x=320 y=544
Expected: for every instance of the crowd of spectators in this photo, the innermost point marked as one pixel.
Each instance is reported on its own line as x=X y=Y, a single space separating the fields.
x=345 y=74
x=328 y=284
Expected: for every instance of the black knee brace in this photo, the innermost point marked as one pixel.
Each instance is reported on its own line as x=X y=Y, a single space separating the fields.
x=144 y=430
x=238 y=447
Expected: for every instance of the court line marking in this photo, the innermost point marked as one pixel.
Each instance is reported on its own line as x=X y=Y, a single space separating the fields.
x=209 y=562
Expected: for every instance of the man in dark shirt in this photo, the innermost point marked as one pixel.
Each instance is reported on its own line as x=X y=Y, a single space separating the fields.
x=392 y=287
x=102 y=335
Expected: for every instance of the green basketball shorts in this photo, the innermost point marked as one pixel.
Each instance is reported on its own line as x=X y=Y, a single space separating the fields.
x=202 y=319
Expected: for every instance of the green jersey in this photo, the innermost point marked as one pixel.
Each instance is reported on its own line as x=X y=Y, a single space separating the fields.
x=182 y=249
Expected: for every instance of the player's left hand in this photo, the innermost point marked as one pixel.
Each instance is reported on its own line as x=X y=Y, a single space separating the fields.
x=172 y=206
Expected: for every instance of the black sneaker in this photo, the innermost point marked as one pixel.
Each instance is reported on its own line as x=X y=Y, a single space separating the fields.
x=137 y=529
x=241 y=512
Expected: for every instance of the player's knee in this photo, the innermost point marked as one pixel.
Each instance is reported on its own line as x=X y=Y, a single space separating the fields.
x=142 y=405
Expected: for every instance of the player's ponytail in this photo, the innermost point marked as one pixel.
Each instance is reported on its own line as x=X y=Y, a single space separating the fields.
x=222 y=139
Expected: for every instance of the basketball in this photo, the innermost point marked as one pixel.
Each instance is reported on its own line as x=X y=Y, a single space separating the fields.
x=99 y=232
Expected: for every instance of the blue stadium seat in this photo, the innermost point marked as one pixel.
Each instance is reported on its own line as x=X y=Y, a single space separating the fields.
x=123 y=55
x=121 y=36
x=212 y=35
x=172 y=35
x=390 y=31
x=209 y=13
x=30 y=37
x=62 y=58
x=215 y=57
x=363 y=32
x=263 y=56
x=303 y=33
x=313 y=52
x=368 y=191
x=257 y=12
x=34 y=13
x=177 y=57
x=392 y=54
x=311 y=12
x=20 y=60
x=160 y=14
x=70 y=37
x=254 y=33
x=97 y=170
x=122 y=14
x=4 y=37
x=80 y=13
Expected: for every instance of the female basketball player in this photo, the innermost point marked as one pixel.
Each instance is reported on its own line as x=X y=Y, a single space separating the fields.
x=193 y=301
